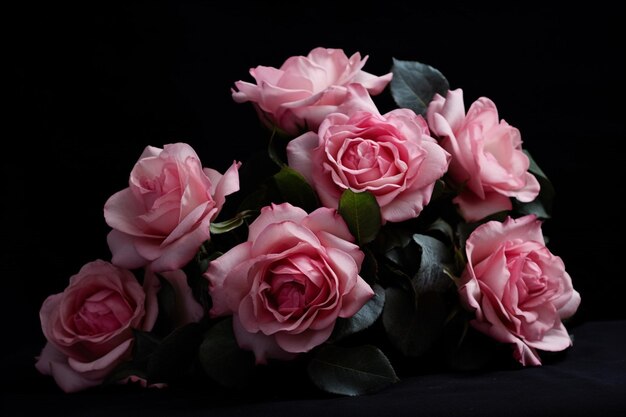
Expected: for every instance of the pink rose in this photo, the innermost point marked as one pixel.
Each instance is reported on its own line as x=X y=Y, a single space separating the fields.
x=88 y=325
x=306 y=89
x=163 y=217
x=517 y=288
x=487 y=158
x=391 y=156
x=287 y=285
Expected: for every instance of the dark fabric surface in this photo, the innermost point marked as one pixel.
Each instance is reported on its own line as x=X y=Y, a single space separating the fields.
x=590 y=380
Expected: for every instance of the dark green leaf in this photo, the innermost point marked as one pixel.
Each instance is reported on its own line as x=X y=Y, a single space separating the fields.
x=361 y=213
x=295 y=190
x=443 y=229
x=166 y=299
x=230 y=224
x=174 y=355
x=535 y=207
x=392 y=236
x=369 y=268
x=434 y=256
x=534 y=168
x=144 y=344
x=414 y=85
x=262 y=196
x=222 y=359
x=197 y=282
x=277 y=148
x=363 y=319
x=413 y=323
x=351 y=371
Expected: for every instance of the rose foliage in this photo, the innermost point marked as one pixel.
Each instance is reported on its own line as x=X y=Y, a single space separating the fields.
x=357 y=246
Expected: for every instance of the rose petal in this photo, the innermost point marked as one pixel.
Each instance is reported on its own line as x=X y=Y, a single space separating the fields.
x=264 y=347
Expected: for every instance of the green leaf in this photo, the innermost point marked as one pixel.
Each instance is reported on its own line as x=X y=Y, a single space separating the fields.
x=351 y=371
x=194 y=271
x=173 y=357
x=413 y=322
x=434 y=256
x=361 y=213
x=277 y=148
x=414 y=85
x=295 y=190
x=369 y=267
x=542 y=205
x=144 y=344
x=363 y=319
x=262 y=196
x=392 y=236
x=442 y=228
x=230 y=224
x=222 y=359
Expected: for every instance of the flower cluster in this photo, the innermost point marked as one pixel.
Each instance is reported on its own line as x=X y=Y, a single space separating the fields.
x=358 y=241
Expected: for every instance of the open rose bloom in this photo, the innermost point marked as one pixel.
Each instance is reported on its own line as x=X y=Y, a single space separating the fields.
x=297 y=96
x=487 y=159
x=89 y=325
x=344 y=245
x=392 y=156
x=288 y=284
x=164 y=215
x=519 y=291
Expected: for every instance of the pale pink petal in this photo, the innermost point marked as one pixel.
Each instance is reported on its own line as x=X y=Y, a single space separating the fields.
x=374 y=84
x=303 y=342
x=356 y=298
x=180 y=252
x=122 y=247
x=53 y=362
x=451 y=109
x=227 y=184
x=247 y=92
x=150 y=152
x=278 y=238
x=568 y=302
x=121 y=209
x=217 y=272
x=526 y=355
x=530 y=191
x=185 y=225
x=356 y=98
x=554 y=340
x=473 y=208
x=489 y=236
x=299 y=154
x=104 y=364
x=328 y=220
x=493 y=272
x=264 y=347
x=275 y=213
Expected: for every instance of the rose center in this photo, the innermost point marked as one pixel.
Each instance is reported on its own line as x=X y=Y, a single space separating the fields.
x=103 y=312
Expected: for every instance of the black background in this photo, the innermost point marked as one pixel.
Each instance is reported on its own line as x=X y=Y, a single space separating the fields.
x=96 y=84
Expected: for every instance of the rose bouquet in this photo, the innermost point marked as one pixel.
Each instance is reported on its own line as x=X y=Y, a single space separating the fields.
x=357 y=247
